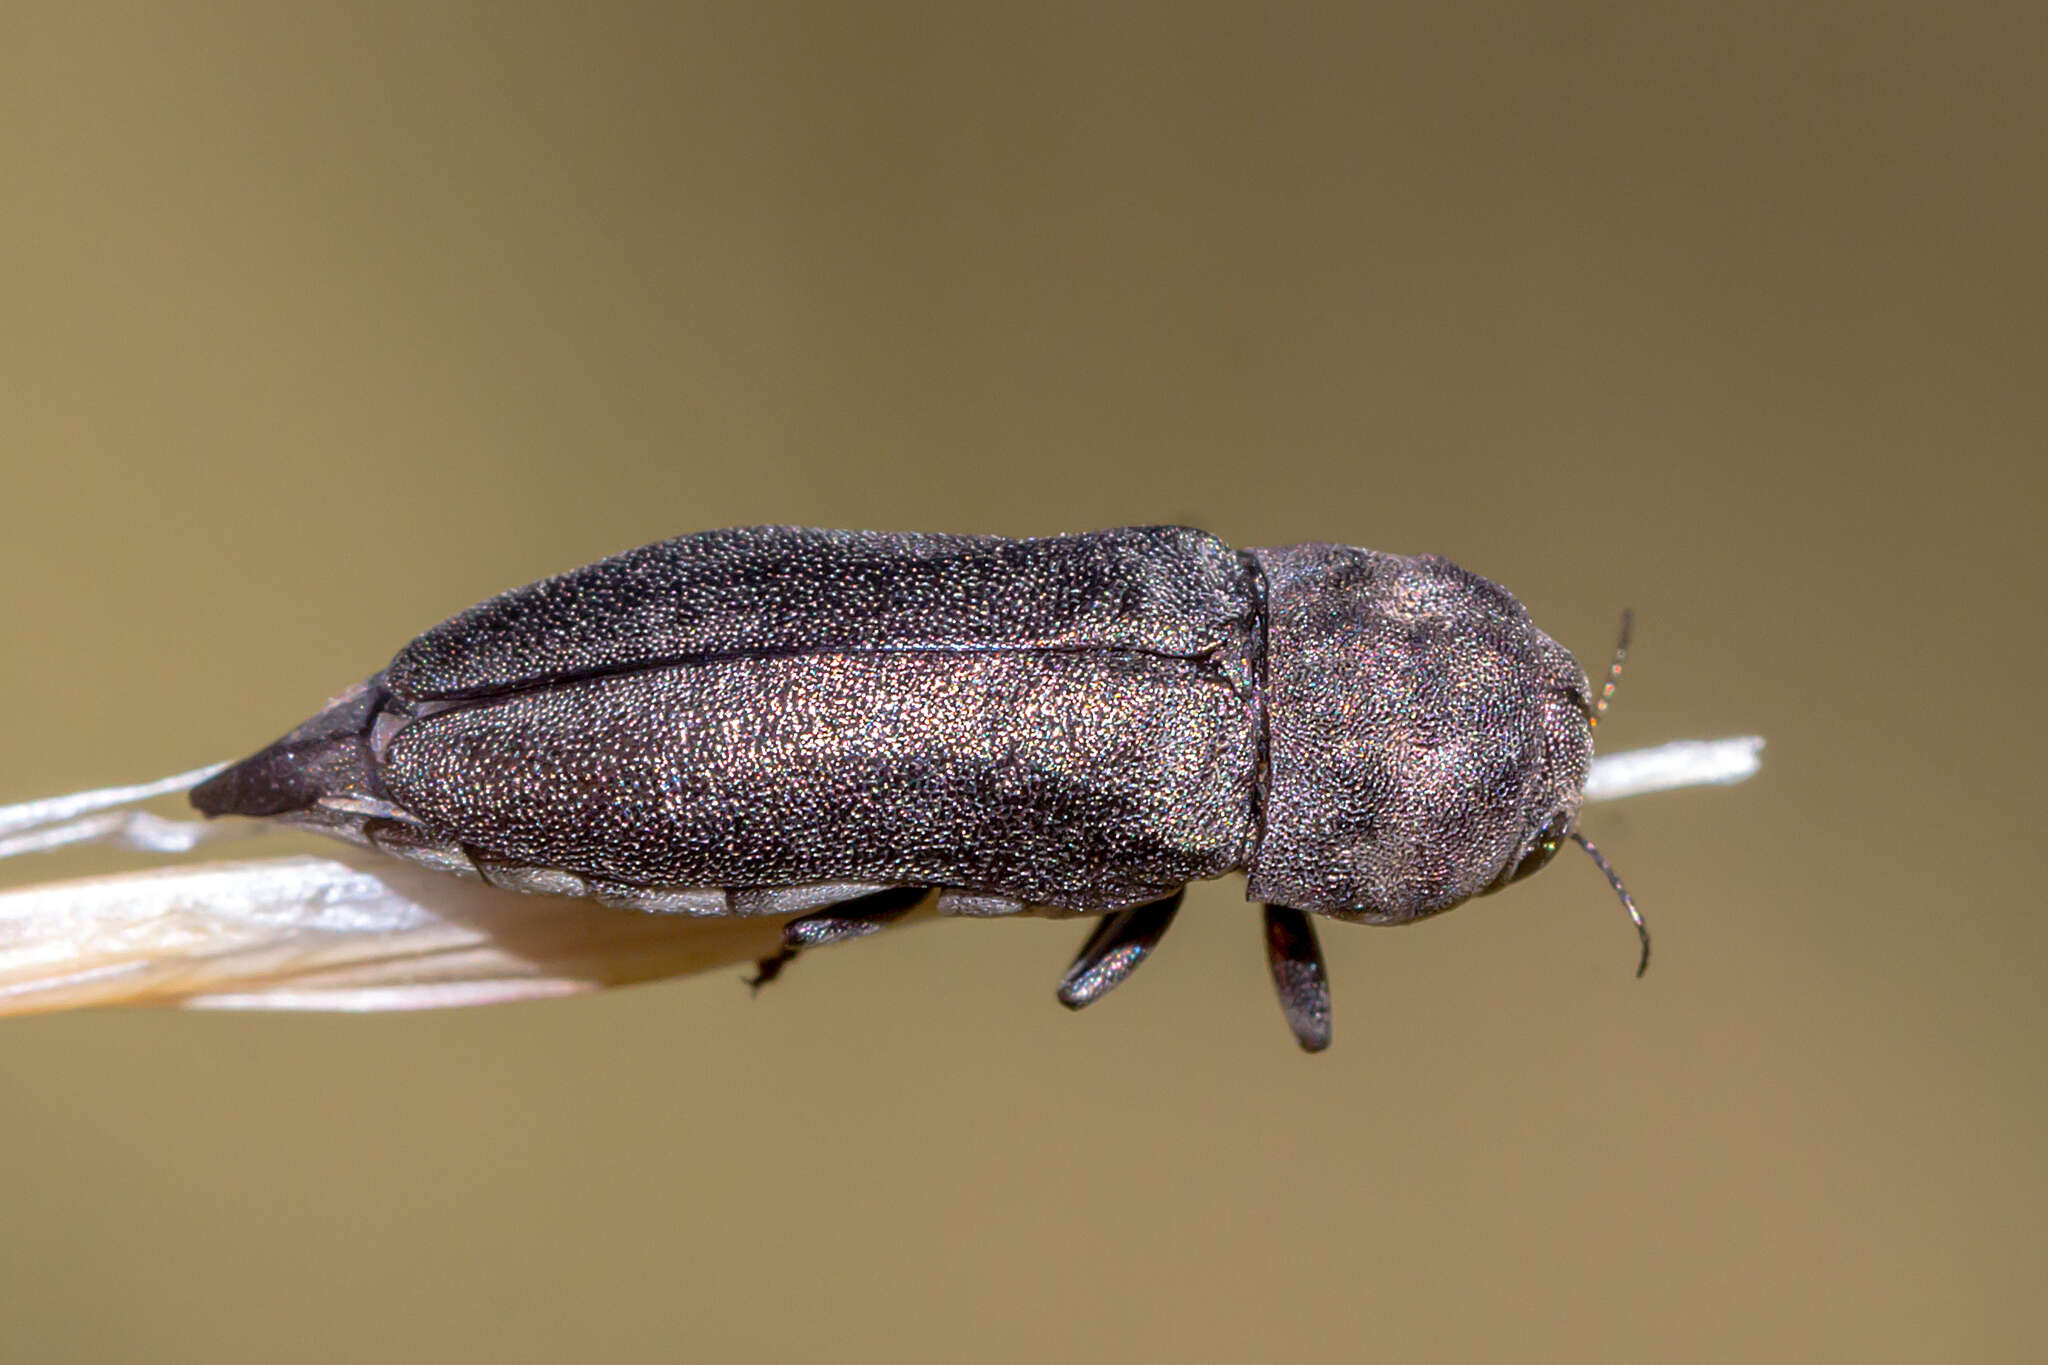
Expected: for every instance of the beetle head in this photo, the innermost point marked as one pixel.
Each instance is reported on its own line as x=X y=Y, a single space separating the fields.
x=1426 y=742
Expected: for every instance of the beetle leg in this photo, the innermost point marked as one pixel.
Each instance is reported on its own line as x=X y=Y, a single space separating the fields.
x=768 y=968
x=1120 y=942
x=1298 y=974
x=856 y=918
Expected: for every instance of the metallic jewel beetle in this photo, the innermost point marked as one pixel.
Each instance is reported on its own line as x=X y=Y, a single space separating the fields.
x=831 y=724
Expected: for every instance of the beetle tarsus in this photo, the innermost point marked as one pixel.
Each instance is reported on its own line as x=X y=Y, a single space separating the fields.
x=850 y=919
x=1120 y=942
x=768 y=968
x=1299 y=975
x=853 y=919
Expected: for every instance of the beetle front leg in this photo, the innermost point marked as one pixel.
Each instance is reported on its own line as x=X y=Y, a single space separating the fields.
x=1299 y=975
x=850 y=919
x=1114 y=950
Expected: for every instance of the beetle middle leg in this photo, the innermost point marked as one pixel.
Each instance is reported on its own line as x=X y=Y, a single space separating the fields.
x=1120 y=942
x=855 y=918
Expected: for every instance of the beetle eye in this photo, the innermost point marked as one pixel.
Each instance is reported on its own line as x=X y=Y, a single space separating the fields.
x=1540 y=853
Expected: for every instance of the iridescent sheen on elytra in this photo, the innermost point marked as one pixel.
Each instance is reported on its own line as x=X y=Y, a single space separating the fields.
x=765 y=719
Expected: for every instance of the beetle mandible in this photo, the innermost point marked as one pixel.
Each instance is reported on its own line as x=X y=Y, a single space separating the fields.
x=832 y=724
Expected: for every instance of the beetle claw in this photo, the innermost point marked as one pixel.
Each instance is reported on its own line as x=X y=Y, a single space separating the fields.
x=768 y=968
x=1299 y=975
x=1120 y=942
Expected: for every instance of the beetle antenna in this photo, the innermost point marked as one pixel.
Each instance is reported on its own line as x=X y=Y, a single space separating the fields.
x=1628 y=625
x=1627 y=901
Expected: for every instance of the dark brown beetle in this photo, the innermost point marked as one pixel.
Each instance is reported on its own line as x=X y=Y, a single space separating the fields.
x=831 y=724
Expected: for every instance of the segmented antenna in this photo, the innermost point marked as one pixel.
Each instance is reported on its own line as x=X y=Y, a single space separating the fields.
x=1627 y=901
x=1628 y=625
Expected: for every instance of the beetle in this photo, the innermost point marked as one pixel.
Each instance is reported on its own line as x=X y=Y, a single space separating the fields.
x=832 y=725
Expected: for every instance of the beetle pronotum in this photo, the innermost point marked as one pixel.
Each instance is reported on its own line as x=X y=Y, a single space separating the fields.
x=833 y=724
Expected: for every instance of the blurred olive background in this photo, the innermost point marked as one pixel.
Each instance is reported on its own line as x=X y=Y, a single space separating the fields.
x=323 y=321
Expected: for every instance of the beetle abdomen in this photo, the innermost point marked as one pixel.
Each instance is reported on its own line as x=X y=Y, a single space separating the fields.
x=1086 y=779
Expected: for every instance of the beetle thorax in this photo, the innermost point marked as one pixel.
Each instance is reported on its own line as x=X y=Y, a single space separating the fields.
x=1421 y=733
